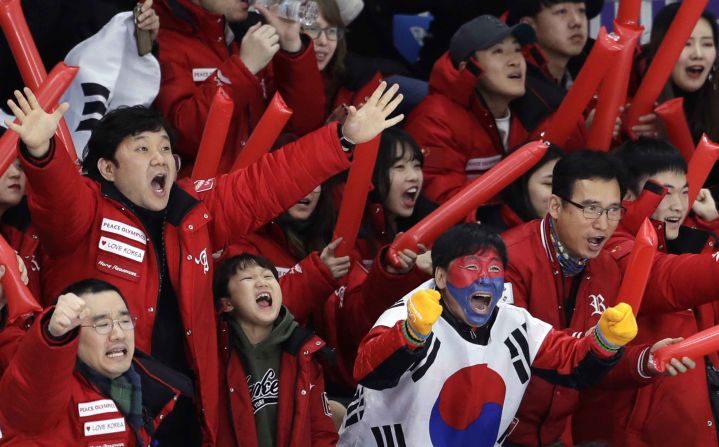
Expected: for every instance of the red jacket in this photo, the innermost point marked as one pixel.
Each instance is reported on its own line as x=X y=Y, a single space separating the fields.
x=200 y=221
x=539 y=287
x=459 y=134
x=19 y=233
x=44 y=401
x=347 y=310
x=353 y=95
x=303 y=415
x=646 y=416
x=192 y=42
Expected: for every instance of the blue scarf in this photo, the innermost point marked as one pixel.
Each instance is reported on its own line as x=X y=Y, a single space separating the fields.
x=570 y=265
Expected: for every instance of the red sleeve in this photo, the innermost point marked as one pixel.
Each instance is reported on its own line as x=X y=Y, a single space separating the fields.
x=381 y=347
x=246 y=199
x=186 y=104
x=300 y=82
x=364 y=303
x=324 y=432
x=695 y=221
x=444 y=162
x=572 y=362
x=28 y=382
x=632 y=370
x=10 y=338
x=306 y=286
x=58 y=193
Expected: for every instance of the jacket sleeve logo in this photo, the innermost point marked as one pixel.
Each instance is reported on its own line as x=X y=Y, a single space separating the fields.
x=597 y=303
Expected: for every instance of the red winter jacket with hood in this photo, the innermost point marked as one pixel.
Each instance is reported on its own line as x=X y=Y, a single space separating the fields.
x=459 y=135
x=196 y=60
x=103 y=238
x=50 y=403
x=644 y=417
x=303 y=415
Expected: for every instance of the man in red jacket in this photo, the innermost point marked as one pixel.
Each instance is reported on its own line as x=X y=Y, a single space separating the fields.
x=657 y=168
x=273 y=391
x=130 y=223
x=199 y=54
x=478 y=106
x=560 y=274
x=91 y=387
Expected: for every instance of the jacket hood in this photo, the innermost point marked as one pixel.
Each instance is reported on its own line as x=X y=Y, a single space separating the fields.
x=457 y=85
x=185 y=16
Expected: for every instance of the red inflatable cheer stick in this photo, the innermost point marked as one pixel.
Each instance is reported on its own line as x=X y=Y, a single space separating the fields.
x=470 y=197
x=567 y=115
x=613 y=92
x=640 y=263
x=694 y=347
x=32 y=70
x=47 y=96
x=672 y=115
x=20 y=301
x=663 y=63
x=214 y=136
x=629 y=11
x=355 y=196
x=700 y=165
x=265 y=133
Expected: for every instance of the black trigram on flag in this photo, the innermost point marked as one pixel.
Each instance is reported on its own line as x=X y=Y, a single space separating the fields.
x=355 y=411
x=95 y=107
x=389 y=436
x=517 y=344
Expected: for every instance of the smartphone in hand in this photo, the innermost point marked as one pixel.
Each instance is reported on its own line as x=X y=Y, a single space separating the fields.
x=143 y=37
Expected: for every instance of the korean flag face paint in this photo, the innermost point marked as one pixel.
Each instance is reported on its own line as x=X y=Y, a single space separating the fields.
x=476 y=283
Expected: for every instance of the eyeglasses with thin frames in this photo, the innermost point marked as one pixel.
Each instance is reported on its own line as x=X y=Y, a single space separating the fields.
x=331 y=32
x=594 y=212
x=104 y=326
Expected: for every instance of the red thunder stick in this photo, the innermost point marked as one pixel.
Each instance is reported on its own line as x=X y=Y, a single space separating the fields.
x=640 y=263
x=32 y=70
x=661 y=67
x=694 y=347
x=700 y=165
x=265 y=133
x=47 y=96
x=613 y=92
x=474 y=194
x=214 y=136
x=567 y=115
x=629 y=11
x=19 y=298
x=675 y=122
x=355 y=196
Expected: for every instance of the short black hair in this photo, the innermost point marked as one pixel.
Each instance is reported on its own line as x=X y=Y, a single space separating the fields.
x=387 y=156
x=586 y=164
x=91 y=286
x=115 y=127
x=465 y=239
x=228 y=268
x=646 y=157
x=530 y=8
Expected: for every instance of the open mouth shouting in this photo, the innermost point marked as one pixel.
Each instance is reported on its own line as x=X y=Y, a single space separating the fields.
x=516 y=76
x=116 y=353
x=158 y=184
x=409 y=197
x=480 y=302
x=695 y=71
x=596 y=242
x=264 y=300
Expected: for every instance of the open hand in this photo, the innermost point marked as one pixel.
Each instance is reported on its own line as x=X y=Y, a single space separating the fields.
x=371 y=119
x=35 y=126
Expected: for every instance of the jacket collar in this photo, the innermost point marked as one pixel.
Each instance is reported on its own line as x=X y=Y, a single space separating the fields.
x=179 y=205
x=478 y=335
x=18 y=216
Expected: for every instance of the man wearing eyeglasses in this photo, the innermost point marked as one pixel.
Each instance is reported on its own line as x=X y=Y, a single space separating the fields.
x=92 y=387
x=561 y=275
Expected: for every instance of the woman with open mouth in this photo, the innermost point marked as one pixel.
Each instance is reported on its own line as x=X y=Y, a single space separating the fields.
x=694 y=77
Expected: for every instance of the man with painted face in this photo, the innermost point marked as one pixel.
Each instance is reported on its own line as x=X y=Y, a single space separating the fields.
x=449 y=363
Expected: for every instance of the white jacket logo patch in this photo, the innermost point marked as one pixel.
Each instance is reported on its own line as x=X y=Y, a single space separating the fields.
x=203 y=260
x=597 y=302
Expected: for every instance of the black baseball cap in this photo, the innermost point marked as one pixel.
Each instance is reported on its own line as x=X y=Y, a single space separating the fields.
x=516 y=9
x=483 y=32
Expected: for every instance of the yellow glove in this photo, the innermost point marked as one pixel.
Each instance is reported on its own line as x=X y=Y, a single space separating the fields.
x=423 y=310
x=617 y=326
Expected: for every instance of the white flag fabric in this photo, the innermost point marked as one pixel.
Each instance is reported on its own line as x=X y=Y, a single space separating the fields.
x=111 y=75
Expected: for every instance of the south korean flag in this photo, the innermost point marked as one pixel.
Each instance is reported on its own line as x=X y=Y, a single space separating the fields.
x=111 y=75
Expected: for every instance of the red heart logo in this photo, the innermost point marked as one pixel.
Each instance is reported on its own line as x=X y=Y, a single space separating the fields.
x=103 y=242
